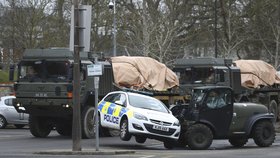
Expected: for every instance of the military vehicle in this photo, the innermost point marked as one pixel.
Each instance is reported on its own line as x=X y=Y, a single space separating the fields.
x=212 y=114
x=222 y=72
x=44 y=90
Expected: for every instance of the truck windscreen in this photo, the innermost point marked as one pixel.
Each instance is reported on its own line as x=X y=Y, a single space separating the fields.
x=196 y=75
x=44 y=71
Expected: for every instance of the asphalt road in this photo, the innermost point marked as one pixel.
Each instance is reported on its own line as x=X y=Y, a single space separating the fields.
x=19 y=143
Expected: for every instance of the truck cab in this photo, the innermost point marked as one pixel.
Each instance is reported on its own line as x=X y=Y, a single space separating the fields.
x=207 y=72
x=44 y=89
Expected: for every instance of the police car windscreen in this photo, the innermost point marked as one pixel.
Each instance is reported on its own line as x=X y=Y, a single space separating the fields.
x=147 y=103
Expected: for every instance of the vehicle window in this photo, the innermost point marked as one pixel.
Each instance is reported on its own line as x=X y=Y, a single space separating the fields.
x=42 y=70
x=118 y=98
x=218 y=99
x=184 y=75
x=31 y=70
x=58 y=70
x=147 y=103
x=110 y=98
x=9 y=102
x=197 y=95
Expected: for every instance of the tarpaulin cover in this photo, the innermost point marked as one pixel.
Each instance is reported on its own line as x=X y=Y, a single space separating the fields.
x=255 y=73
x=142 y=72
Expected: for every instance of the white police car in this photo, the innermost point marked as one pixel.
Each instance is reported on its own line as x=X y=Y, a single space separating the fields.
x=138 y=115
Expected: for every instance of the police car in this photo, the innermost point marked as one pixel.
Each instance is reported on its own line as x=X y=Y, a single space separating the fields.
x=140 y=116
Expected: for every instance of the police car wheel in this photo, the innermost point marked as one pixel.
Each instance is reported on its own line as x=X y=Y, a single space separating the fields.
x=124 y=134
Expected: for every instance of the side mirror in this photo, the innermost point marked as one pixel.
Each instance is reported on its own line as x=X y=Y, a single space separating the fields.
x=11 y=72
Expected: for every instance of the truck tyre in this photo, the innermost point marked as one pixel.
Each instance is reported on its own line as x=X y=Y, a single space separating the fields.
x=39 y=127
x=238 y=142
x=88 y=127
x=140 y=139
x=64 y=129
x=273 y=108
x=263 y=133
x=124 y=133
x=113 y=132
x=199 y=137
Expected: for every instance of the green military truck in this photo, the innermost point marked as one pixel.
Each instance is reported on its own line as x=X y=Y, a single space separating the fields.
x=212 y=114
x=222 y=72
x=44 y=90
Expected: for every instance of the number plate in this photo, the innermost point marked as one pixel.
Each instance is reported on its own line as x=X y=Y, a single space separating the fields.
x=161 y=128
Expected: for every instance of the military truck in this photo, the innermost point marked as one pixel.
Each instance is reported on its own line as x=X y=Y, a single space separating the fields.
x=212 y=114
x=222 y=72
x=44 y=90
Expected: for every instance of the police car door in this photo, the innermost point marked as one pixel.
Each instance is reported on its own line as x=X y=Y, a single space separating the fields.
x=110 y=112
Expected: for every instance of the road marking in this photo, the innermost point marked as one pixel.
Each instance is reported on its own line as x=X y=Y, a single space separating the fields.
x=148 y=156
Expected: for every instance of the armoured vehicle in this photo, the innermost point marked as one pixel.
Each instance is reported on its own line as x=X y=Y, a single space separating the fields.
x=212 y=114
x=222 y=72
x=44 y=90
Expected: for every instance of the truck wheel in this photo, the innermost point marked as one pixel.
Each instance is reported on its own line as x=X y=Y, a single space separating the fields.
x=3 y=122
x=140 y=139
x=39 y=127
x=88 y=127
x=273 y=108
x=199 y=137
x=124 y=134
x=113 y=132
x=238 y=142
x=264 y=133
x=64 y=129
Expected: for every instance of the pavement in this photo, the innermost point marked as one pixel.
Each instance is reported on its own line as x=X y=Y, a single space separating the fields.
x=86 y=152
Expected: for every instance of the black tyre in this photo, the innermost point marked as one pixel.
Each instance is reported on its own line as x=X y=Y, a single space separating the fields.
x=3 y=122
x=182 y=141
x=168 y=144
x=88 y=123
x=140 y=139
x=238 y=142
x=39 y=127
x=113 y=132
x=199 y=137
x=124 y=133
x=263 y=133
x=273 y=108
x=19 y=126
x=64 y=129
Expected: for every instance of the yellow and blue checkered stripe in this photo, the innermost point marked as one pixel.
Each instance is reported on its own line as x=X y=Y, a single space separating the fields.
x=113 y=109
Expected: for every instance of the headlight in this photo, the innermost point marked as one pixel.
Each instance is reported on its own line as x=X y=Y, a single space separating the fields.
x=176 y=123
x=140 y=116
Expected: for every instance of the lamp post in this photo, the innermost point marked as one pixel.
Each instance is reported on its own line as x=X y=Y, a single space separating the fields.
x=216 y=33
x=112 y=5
